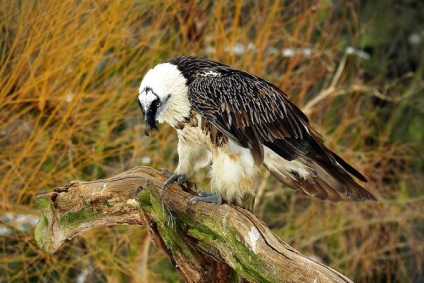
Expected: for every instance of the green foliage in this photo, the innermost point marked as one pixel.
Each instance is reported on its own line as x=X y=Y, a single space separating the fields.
x=69 y=73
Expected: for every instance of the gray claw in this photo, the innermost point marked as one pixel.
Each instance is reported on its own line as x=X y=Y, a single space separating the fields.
x=175 y=177
x=207 y=197
x=182 y=179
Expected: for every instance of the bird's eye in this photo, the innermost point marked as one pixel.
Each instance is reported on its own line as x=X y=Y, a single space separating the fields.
x=158 y=103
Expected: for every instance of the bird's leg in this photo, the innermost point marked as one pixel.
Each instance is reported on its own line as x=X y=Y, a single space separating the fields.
x=207 y=197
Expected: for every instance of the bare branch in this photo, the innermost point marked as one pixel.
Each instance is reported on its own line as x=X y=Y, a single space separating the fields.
x=206 y=242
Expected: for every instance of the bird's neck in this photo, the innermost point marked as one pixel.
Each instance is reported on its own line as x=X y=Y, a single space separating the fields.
x=177 y=111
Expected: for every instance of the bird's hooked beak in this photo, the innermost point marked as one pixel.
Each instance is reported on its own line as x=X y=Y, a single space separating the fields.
x=148 y=128
x=149 y=122
x=149 y=118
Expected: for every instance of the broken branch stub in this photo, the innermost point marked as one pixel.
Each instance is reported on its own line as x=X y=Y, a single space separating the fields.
x=206 y=242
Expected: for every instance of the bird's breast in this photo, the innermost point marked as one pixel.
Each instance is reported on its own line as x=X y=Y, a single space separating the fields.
x=192 y=130
x=202 y=132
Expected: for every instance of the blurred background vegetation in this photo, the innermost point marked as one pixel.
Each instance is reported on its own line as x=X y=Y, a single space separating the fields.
x=69 y=73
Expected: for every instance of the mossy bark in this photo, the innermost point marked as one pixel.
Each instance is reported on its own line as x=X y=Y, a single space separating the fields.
x=206 y=242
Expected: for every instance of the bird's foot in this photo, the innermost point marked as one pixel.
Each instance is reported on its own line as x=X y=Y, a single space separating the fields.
x=176 y=177
x=207 y=197
x=181 y=180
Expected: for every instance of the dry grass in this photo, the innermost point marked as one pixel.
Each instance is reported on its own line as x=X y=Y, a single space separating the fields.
x=69 y=72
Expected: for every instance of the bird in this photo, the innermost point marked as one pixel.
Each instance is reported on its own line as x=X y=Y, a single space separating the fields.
x=235 y=123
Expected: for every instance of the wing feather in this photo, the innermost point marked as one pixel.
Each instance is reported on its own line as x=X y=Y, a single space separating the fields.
x=248 y=109
x=254 y=113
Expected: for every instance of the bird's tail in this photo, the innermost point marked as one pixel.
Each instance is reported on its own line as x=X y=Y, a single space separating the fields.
x=325 y=176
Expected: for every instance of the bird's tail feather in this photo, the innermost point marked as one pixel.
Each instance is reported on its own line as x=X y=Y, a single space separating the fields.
x=319 y=177
x=348 y=167
x=337 y=175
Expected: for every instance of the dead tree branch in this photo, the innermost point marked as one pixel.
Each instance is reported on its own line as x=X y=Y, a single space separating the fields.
x=206 y=242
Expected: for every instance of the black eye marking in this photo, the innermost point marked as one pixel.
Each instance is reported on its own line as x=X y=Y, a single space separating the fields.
x=154 y=106
x=157 y=102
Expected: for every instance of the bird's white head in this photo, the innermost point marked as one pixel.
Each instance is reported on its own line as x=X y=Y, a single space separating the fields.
x=163 y=97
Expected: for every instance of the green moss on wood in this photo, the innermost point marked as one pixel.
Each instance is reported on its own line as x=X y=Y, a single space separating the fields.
x=160 y=212
x=241 y=256
x=170 y=232
x=73 y=218
x=144 y=199
x=42 y=229
x=42 y=232
x=43 y=203
x=245 y=261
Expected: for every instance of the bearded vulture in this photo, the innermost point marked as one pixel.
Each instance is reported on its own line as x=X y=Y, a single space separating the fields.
x=236 y=122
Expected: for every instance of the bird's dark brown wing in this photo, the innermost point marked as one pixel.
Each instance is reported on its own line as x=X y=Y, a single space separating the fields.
x=250 y=111
x=253 y=112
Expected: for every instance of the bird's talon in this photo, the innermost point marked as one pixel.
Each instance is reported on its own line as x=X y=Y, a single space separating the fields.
x=182 y=180
x=175 y=177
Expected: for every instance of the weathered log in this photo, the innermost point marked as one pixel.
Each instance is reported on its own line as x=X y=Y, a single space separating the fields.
x=206 y=242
